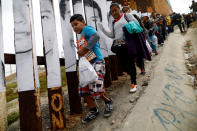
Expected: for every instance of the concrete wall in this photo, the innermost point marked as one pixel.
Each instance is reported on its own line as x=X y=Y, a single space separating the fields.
x=162 y=6
x=133 y=5
x=144 y=5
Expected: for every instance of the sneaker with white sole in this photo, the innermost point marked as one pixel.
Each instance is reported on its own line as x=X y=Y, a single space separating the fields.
x=108 y=109
x=133 y=88
x=90 y=116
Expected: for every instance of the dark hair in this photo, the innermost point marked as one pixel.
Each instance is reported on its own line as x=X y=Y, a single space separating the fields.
x=95 y=5
x=114 y=4
x=62 y=6
x=77 y=17
x=90 y=3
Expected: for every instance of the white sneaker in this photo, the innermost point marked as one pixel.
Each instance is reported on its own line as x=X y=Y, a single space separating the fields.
x=133 y=88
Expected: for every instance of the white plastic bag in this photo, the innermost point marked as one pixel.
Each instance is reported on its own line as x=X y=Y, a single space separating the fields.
x=87 y=73
x=148 y=46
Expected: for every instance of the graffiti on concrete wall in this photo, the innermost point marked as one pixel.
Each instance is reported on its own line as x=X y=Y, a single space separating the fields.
x=174 y=99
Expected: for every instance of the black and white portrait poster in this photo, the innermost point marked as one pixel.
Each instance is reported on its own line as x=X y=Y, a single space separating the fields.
x=91 y=15
x=110 y=20
x=35 y=63
x=94 y=15
x=100 y=11
x=23 y=45
x=50 y=44
x=2 y=69
x=67 y=35
x=78 y=8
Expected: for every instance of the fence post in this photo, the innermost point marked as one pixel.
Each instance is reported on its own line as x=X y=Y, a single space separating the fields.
x=3 y=109
x=70 y=57
x=51 y=53
x=107 y=78
x=27 y=77
x=113 y=67
x=74 y=99
x=120 y=71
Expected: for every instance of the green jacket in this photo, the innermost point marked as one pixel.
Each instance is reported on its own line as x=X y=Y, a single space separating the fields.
x=133 y=27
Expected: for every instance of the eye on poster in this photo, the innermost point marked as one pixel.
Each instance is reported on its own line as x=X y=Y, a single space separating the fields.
x=50 y=44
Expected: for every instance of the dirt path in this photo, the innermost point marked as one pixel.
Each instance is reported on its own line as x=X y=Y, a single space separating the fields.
x=136 y=111
x=123 y=103
x=169 y=103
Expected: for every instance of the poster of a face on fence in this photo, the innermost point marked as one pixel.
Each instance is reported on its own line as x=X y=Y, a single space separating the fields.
x=2 y=69
x=94 y=16
x=77 y=6
x=67 y=35
x=23 y=45
x=96 y=11
x=50 y=44
x=109 y=20
x=100 y=9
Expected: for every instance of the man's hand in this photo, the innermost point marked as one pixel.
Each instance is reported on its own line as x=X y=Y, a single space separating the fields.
x=82 y=51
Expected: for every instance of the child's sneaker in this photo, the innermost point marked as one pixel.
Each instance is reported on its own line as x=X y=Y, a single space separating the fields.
x=90 y=116
x=108 y=109
x=133 y=88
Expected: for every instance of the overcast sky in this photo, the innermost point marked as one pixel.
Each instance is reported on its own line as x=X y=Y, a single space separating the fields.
x=179 y=6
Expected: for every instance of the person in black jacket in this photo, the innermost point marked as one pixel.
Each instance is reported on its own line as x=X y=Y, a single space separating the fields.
x=187 y=20
x=177 y=21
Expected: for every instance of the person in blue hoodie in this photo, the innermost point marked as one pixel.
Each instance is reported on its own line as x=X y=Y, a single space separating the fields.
x=93 y=90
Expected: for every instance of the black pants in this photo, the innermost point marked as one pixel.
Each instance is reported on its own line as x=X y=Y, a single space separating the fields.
x=127 y=63
x=164 y=32
x=183 y=25
x=140 y=63
x=160 y=38
x=172 y=27
x=188 y=24
x=180 y=27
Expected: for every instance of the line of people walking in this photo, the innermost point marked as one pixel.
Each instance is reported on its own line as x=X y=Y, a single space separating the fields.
x=134 y=38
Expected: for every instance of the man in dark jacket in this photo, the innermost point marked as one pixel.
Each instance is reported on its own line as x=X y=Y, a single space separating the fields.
x=187 y=20
x=177 y=21
x=194 y=8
